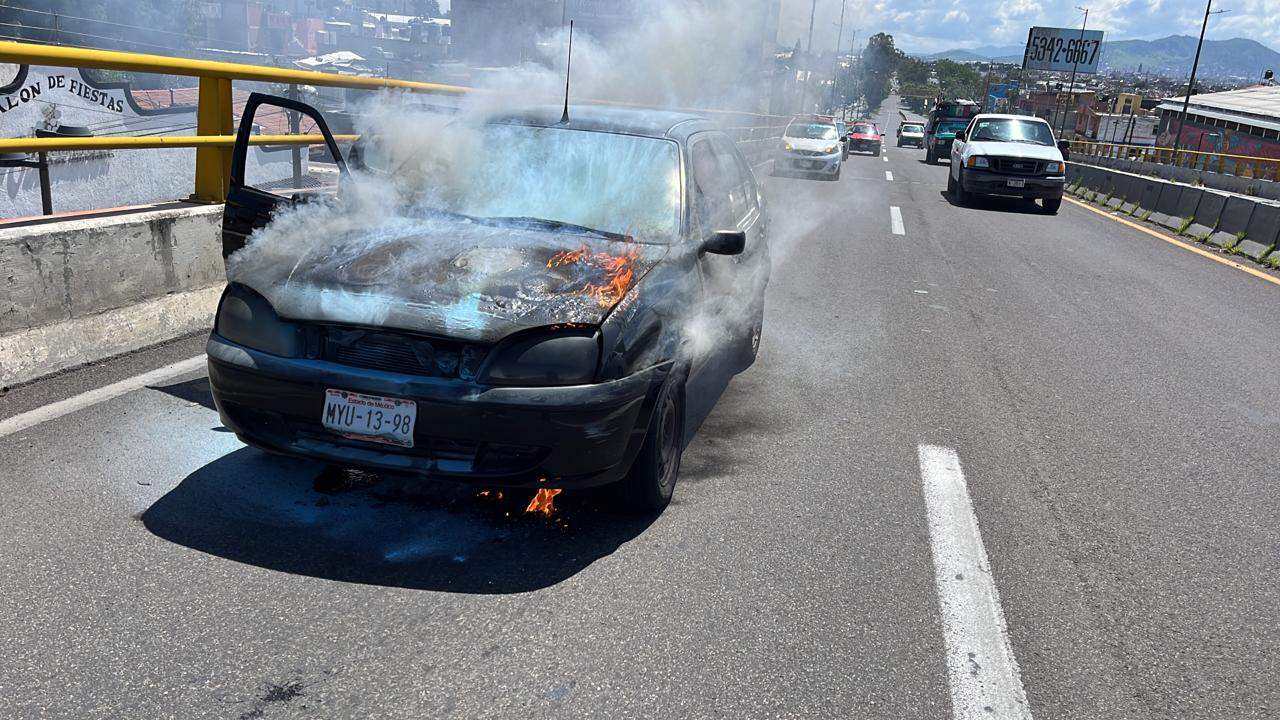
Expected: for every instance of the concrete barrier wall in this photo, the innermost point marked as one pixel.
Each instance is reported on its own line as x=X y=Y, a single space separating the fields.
x=1246 y=225
x=1229 y=183
x=79 y=290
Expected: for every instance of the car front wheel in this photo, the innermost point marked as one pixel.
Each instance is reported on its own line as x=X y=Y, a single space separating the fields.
x=1051 y=205
x=652 y=481
x=961 y=197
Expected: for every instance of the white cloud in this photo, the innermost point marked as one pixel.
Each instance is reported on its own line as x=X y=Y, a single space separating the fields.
x=921 y=25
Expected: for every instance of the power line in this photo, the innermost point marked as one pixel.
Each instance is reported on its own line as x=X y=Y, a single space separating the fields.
x=148 y=30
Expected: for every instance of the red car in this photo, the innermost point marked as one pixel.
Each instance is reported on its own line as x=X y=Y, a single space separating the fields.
x=865 y=137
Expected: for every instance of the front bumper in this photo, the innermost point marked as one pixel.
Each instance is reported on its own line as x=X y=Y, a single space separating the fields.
x=572 y=437
x=817 y=165
x=912 y=141
x=980 y=182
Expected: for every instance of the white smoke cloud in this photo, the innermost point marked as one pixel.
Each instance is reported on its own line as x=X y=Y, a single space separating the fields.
x=681 y=55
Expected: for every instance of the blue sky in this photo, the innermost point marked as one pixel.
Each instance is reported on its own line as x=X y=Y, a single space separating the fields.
x=934 y=25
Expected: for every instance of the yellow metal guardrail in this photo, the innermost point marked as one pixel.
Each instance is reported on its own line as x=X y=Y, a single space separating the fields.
x=215 y=123
x=1247 y=166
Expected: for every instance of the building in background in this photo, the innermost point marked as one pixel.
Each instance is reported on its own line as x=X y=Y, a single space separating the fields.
x=1236 y=122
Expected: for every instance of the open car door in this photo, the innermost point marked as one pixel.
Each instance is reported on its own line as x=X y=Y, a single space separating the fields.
x=266 y=177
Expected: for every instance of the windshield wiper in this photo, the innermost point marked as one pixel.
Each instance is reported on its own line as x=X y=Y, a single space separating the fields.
x=553 y=225
x=422 y=211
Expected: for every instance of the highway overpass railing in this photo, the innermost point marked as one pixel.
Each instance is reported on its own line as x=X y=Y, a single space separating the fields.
x=1245 y=166
x=757 y=134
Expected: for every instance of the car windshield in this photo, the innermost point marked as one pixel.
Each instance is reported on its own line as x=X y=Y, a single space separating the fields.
x=1012 y=130
x=913 y=128
x=812 y=131
x=864 y=129
x=613 y=183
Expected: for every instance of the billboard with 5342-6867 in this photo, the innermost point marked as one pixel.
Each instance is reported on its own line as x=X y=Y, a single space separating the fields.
x=1063 y=50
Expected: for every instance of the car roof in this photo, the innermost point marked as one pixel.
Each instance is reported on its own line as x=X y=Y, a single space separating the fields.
x=1005 y=116
x=628 y=120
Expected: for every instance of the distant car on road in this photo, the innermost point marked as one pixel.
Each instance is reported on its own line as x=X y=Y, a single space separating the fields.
x=1007 y=155
x=911 y=134
x=865 y=137
x=940 y=128
x=810 y=146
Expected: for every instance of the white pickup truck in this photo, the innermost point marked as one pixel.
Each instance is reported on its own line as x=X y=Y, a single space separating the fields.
x=1008 y=155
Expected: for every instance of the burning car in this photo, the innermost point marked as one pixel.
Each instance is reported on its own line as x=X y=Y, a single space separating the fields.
x=528 y=324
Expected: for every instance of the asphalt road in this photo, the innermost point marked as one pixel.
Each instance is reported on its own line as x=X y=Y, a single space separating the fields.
x=1111 y=399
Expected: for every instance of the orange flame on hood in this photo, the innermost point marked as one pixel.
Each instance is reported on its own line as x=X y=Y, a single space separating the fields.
x=619 y=272
x=544 y=502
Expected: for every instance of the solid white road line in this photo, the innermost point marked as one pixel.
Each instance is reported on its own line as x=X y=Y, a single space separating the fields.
x=895 y=220
x=985 y=682
x=21 y=422
x=888 y=175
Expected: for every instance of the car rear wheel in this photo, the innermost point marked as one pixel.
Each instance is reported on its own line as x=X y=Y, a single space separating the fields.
x=1051 y=205
x=652 y=481
x=928 y=156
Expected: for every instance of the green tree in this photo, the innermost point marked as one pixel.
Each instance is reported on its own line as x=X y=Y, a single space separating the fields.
x=426 y=8
x=879 y=61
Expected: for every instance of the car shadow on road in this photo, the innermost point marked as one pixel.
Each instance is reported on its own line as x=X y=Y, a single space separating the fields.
x=193 y=391
x=299 y=517
x=997 y=203
x=302 y=518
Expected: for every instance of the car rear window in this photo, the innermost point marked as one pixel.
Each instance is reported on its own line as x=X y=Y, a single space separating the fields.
x=865 y=129
x=912 y=128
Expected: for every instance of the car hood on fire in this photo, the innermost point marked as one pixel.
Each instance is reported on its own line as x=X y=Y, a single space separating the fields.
x=473 y=282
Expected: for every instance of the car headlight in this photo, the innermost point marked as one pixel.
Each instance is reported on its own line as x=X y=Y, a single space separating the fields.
x=1056 y=168
x=564 y=357
x=830 y=150
x=246 y=318
x=977 y=161
x=787 y=146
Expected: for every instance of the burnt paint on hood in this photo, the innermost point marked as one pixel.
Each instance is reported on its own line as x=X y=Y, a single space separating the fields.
x=474 y=282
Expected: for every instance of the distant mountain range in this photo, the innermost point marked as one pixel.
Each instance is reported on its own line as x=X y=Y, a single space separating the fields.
x=1170 y=57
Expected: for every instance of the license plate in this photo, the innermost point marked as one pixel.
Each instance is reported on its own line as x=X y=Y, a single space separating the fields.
x=1017 y=183
x=371 y=418
x=814 y=164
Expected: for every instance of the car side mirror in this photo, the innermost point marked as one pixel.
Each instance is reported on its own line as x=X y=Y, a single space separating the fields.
x=1064 y=147
x=960 y=135
x=725 y=242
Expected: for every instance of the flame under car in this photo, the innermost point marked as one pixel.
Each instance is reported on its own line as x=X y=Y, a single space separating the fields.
x=528 y=326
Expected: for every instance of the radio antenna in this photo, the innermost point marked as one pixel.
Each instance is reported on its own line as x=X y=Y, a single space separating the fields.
x=564 y=119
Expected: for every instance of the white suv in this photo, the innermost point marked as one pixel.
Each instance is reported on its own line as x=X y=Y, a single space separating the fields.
x=1008 y=155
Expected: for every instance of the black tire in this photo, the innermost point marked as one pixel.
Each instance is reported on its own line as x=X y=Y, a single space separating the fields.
x=961 y=197
x=747 y=346
x=928 y=156
x=951 y=186
x=1051 y=205
x=836 y=177
x=651 y=482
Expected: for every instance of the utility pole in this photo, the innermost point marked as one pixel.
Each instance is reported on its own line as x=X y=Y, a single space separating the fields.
x=1195 y=65
x=808 y=60
x=1071 y=93
x=835 y=65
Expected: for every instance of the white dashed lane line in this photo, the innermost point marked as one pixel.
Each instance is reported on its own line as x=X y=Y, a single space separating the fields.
x=888 y=175
x=895 y=220
x=981 y=669
x=885 y=158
